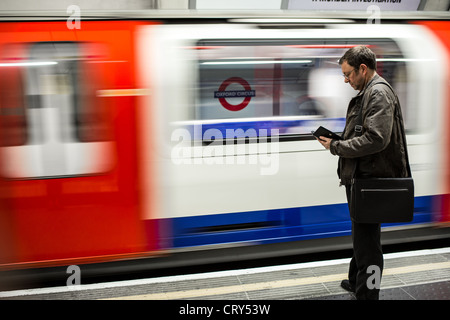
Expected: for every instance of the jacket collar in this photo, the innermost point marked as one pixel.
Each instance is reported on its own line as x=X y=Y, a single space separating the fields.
x=369 y=84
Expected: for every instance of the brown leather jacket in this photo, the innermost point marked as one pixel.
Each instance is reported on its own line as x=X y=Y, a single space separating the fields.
x=379 y=151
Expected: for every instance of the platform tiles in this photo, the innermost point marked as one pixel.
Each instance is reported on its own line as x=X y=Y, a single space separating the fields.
x=416 y=275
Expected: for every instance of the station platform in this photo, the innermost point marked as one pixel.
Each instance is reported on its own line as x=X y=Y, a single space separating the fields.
x=414 y=275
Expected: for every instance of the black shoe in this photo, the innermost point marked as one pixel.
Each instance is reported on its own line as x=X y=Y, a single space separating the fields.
x=347 y=286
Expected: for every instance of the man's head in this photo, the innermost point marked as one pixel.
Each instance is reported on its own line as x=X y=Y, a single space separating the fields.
x=358 y=65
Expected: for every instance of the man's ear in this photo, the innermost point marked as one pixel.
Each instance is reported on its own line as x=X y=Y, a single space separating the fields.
x=363 y=68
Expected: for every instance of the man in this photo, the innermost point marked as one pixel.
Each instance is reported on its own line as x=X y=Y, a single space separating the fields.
x=375 y=150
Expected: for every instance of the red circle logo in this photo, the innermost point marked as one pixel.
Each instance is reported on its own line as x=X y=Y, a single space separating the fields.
x=222 y=94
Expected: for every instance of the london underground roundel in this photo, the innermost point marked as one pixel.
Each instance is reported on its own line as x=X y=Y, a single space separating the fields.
x=223 y=94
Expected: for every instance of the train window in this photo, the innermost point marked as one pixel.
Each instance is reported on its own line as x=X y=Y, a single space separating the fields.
x=49 y=107
x=289 y=85
x=66 y=85
x=13 y=121
x=49 y=75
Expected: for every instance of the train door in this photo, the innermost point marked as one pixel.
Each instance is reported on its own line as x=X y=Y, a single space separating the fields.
x=68 y=143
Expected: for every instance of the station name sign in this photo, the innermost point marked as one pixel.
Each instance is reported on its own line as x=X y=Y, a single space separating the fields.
x=362 y=5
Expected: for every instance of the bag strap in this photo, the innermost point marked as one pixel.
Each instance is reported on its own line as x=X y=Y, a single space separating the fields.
x=398 y=109
x=398 y=114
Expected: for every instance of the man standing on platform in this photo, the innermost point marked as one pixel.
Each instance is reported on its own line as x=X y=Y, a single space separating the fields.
x=372 y=149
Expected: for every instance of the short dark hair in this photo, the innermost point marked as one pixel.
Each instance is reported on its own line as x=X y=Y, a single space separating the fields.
x=360 y=54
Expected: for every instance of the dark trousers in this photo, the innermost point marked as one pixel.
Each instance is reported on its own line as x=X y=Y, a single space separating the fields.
x=367 y=252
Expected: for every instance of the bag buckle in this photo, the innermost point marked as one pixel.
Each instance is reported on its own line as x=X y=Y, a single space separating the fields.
x=358 y=128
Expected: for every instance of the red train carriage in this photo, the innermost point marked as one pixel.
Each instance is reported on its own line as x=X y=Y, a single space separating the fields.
x=69 y=170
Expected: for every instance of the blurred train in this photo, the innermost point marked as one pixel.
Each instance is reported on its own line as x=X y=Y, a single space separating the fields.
x=130 y=138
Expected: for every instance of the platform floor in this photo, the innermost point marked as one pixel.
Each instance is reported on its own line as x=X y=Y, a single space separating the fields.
x=415 y=275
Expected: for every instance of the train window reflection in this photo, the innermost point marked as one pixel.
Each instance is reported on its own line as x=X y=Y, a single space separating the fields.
x=289 y=85
x=48 y=85
x=52 y=123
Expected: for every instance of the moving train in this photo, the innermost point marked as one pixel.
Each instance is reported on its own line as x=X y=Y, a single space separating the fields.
x=136 y=137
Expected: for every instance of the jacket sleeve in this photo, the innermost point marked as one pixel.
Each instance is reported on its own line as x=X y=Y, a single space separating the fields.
x=378 y=115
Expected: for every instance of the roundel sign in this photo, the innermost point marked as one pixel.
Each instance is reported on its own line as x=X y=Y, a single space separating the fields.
x=223 y=94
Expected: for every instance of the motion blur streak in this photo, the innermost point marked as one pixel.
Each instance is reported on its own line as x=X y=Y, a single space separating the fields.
x=90 y=170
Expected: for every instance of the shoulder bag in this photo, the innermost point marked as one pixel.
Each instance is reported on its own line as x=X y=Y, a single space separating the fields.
x=382 y=200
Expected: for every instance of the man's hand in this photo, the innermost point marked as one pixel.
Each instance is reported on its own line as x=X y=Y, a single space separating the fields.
x=326 y=142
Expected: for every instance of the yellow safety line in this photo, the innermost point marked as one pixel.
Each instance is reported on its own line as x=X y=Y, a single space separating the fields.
x=273 y=284
x=417 y=268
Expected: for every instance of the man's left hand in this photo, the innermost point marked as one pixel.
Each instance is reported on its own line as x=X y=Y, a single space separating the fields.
x=326 y=142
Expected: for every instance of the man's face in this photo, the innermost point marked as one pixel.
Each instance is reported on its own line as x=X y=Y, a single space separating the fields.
x=354 y=77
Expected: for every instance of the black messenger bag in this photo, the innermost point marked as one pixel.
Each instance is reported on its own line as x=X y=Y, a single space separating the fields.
x=382 y=200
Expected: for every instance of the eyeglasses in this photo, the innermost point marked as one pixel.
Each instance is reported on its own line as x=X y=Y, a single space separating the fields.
x=346 y=76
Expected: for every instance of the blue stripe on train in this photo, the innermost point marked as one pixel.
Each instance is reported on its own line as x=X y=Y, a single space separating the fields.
x=277 y=225
x=258 y=128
